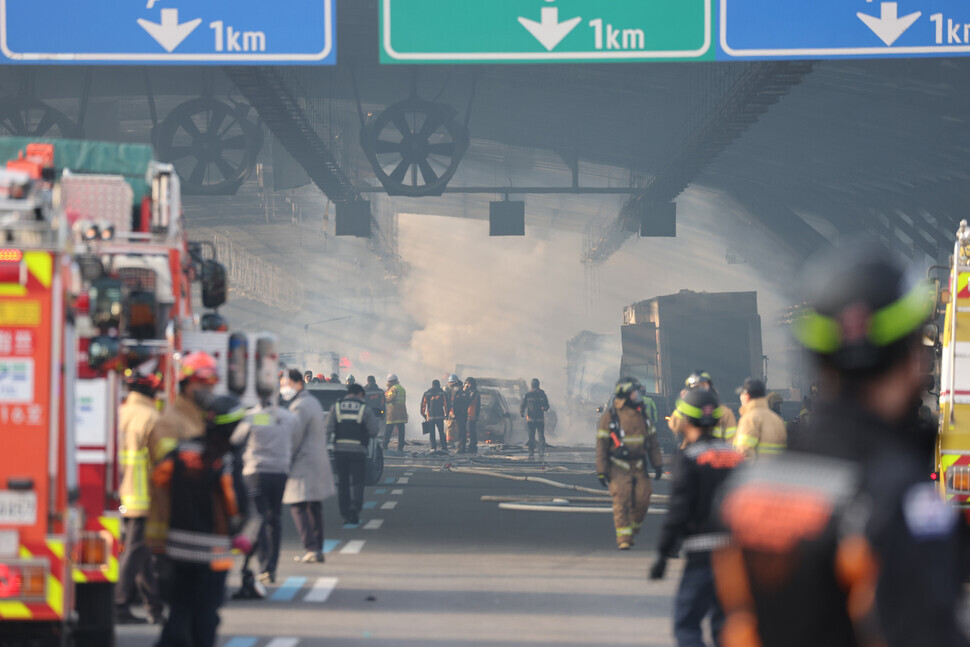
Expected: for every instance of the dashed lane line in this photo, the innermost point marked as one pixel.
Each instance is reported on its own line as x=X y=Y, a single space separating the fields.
x=397 y=491
x=352 y=547
x=321 y=590
x=283 y=642
x=373 y=524
x=241 y=641
x=403 y=480
x=288 y=590
x=389 y=505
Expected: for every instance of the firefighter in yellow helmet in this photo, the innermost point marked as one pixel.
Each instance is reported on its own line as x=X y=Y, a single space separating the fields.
x=624 y=441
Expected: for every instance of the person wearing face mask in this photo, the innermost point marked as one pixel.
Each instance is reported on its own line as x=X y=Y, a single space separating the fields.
x=182 y=419
x=624 y=441
x=843 y=539
x=310 y=479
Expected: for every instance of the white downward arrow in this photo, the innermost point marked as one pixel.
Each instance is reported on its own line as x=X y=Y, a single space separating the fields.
x=169 y=33
x=889 y=26
x=549 y=31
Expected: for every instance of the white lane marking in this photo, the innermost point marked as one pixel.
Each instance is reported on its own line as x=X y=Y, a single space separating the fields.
x=397 y=491
x=373 y=524
x=409 y=474
x=389 y=505
x=353 y=547
x=321 y=590
x=403 y=480
x=283 y=642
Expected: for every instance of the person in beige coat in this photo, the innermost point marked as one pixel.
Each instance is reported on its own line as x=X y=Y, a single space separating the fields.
x=761 y=431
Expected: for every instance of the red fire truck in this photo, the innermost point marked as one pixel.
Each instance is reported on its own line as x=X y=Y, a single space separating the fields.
x=119 y=215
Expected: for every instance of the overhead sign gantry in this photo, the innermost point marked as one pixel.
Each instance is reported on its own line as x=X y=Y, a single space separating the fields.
x=160 y=32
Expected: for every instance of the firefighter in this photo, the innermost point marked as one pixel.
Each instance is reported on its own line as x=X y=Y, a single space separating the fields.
x=433 y=408
x=205 y=524
x=843 y=540
x=726 y=427
x=374 y=396
x=623 y=442
x=350 y=380
x=761 y=431
x=692 y=520
x=351 y=425
x=182 y=419
x=471 y=403
x=395 y=398
x=452 y=391
x=533 y=409
x=136 y=418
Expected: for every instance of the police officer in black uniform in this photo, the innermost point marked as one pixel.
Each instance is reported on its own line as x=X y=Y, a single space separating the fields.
x=351 y=424
x=845 y=540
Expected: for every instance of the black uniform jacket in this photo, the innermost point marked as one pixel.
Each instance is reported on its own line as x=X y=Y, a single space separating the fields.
x=699 y=471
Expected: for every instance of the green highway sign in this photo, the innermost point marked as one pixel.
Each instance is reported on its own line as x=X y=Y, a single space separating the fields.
x=545 y=31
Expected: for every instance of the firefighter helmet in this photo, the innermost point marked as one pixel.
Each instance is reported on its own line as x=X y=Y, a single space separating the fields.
x=222 y=414
x=700 y=407
x=862 y=310
x=454 y=379
x=351 y=380
x=626 y=387
x=144 y=377
x=697 y=378
x=199 y=367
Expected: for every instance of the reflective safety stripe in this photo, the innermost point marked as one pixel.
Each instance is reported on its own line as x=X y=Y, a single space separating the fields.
x=14 y=610
x=771 y=448
x=357 y=416
x=165 y=446
x=602 y=433
x=625 y=464
x=730 y=432
x=749 y=441
x=348 y=441
x=137 y=462
x=622 y=532
x=633 y=440
x=705 y=542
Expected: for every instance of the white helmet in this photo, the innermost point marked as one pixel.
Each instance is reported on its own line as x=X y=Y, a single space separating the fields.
x=392 y=377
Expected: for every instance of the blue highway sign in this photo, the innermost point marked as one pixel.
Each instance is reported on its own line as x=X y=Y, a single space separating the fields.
x=241 y=32
x=768 y=29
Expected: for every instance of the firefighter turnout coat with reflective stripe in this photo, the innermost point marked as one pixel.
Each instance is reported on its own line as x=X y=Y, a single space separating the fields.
x=761 y=431
x=351 y=424
x=136 y=419
x=204 y=509
x=181 y=420
x=639 y=439
x=395 y=399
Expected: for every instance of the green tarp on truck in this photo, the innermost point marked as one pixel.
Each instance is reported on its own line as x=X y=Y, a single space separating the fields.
x=80 y=156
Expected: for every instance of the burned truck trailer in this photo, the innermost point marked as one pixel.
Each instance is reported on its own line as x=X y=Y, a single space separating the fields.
x=666 y=338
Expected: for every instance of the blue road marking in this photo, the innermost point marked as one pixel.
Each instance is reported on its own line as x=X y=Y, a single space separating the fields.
x=369 y=505
x=241 y=641
x=390 y=480
x=288 y=590
x=351 y=526
x=329 y=545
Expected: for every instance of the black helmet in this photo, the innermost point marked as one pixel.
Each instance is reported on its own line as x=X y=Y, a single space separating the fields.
x=700 y=407
x=222 y=414
x=535 y=383
x=626 y=386
x=862 y=311
x=698 y=377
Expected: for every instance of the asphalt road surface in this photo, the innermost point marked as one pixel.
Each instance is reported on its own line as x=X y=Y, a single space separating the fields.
x=432 y=564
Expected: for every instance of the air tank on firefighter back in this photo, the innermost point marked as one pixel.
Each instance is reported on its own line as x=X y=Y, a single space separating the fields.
x=666 y=338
